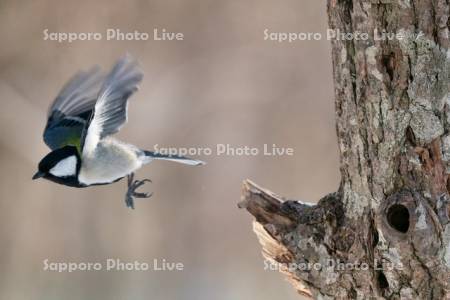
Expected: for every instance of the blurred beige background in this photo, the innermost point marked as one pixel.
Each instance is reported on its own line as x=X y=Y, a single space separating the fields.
x=222 y=84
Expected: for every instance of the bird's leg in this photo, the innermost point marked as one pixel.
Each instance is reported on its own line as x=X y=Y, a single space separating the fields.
x=131 y=192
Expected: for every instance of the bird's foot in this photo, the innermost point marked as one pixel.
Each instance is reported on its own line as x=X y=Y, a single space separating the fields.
x=131 y=192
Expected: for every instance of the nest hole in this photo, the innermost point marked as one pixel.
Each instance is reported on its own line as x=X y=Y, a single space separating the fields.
x=398 y=217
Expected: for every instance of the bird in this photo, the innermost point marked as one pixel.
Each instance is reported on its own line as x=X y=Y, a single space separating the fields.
x=90 y=108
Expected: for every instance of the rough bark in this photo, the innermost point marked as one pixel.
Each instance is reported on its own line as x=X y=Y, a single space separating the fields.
x=387 y=228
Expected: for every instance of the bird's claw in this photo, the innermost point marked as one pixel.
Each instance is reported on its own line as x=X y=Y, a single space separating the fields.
x=131 y=193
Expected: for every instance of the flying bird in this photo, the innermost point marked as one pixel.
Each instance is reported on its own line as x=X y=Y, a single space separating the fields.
x=88 y=110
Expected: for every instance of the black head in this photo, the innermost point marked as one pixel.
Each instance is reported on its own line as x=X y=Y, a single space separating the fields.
x=61 y=165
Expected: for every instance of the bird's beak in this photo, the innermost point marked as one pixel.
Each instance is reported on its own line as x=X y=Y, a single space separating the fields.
x=38 y=174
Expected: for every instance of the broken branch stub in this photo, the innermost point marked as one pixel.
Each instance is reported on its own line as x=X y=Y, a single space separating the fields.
x=325 y=254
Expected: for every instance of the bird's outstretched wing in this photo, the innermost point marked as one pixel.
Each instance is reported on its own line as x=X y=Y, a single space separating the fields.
x=71 y=110
x=110 y=111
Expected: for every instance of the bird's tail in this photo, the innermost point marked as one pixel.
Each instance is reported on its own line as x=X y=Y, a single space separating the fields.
x=176 y=158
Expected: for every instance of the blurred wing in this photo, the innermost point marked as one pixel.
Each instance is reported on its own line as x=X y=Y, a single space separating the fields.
x=71 y=110
x=110 y=111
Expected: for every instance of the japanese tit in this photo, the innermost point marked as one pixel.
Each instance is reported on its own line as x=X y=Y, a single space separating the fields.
x=89 y=109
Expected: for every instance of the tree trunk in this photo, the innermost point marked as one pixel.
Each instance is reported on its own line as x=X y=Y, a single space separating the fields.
x=386 y=232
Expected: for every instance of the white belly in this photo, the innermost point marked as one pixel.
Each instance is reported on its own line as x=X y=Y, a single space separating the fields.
x=109 y=161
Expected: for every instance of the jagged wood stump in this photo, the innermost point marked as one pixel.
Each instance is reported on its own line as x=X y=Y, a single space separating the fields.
x=387 y=228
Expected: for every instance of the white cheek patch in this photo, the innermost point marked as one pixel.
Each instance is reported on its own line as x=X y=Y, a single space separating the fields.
x=66 y=167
